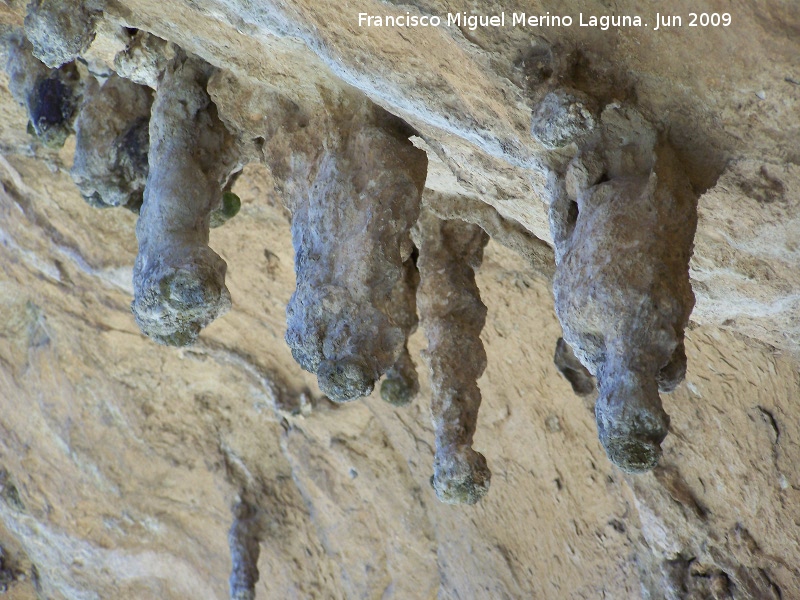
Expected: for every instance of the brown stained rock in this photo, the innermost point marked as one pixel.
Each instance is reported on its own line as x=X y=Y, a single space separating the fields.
x=51 y=96
x=623 y=219
x=354 y=201
x=60 y=30
x=453 y=317
x=571 y=368
x=112 y=131
x=179 y=282
x=401 y=384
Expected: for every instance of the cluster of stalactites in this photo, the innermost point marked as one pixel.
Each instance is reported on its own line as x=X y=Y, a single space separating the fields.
x=623 y=217
x=137 y=148
x=149 y=138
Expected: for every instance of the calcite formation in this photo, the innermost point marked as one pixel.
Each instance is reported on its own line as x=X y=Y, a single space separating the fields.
x=623 y=217
x=353 y=205
x=105 y=462
x=112 y=143
x=144 y=59
x=453 y=317
x=401 y=383
x=51 y=96
x=179 y=282
x=60 y=30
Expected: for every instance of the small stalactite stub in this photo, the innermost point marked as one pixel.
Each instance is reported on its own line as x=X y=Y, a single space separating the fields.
x=244 y=542
x=112 y=143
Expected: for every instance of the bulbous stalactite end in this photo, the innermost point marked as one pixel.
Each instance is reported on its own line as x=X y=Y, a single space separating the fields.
x=460 y=475
x=229 y=207
x=345 y=380
x=172 y=305
x=52 y=107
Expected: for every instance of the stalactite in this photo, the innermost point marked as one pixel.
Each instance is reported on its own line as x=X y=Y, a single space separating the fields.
x=60 y=30
x=110 y=166
x=179 y=282
x=623 y=218
x=453 y=317
x=353 y=207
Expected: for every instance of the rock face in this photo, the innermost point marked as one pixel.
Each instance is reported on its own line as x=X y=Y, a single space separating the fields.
x=220 y=469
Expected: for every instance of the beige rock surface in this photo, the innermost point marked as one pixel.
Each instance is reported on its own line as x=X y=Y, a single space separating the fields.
x=121 y=461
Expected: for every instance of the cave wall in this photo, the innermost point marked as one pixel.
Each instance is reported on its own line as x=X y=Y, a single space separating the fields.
x=122 y=461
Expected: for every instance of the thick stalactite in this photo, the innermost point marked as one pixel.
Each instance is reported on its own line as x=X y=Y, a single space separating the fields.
x=353 y=206
x=179 y=282
x=623 y=217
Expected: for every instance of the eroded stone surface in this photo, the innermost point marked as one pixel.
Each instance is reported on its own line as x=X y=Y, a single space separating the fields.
x=571 y=368
x=112 y=143
x=351 y=222
x=51 y=96
x=109 y=468
x=60 y=30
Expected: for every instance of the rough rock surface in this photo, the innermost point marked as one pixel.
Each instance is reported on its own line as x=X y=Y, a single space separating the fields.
x=353 y=203
x=112 y=142
x=123 y=462
x=51 y=96
x=60 y=30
